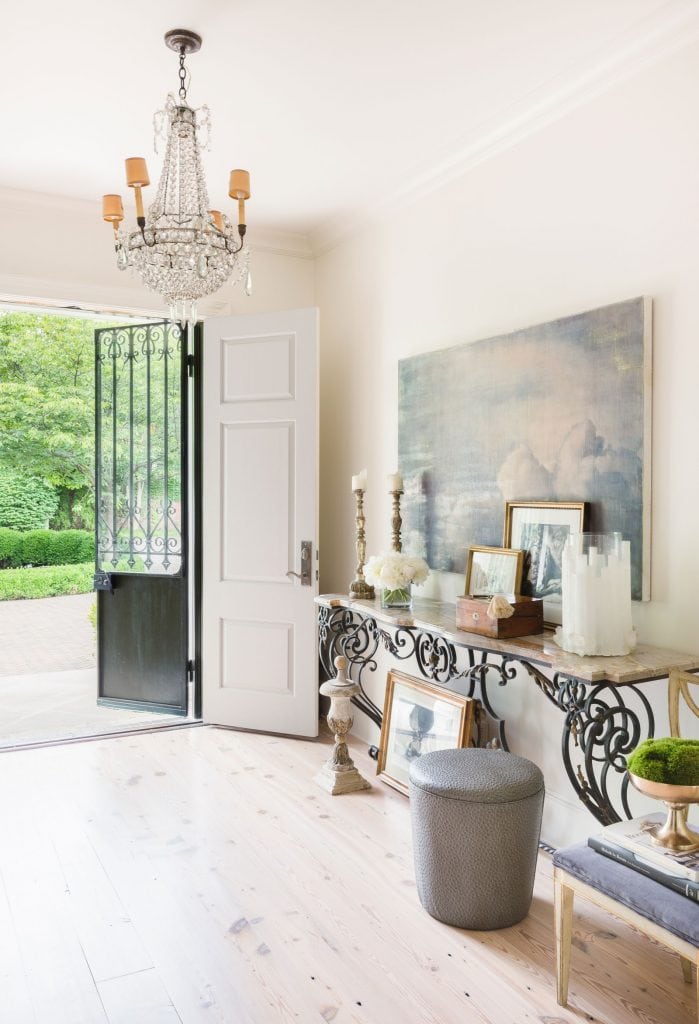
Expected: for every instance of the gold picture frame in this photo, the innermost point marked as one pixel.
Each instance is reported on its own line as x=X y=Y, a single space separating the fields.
x=419 y=717
x=540 y=529
x=493 y=571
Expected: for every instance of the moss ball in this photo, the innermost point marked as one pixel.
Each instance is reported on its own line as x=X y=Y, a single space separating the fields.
x=670 y=760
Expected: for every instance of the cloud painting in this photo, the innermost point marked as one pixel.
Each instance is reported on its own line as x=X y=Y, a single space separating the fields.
x=558 y=412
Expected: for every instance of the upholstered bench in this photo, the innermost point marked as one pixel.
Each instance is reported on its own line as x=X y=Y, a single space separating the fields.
x=476 y=816
x=664 y=915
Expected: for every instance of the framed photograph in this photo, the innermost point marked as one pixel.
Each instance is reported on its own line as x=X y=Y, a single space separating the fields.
x=493 y=571
x=418 y=718
x=540 y=529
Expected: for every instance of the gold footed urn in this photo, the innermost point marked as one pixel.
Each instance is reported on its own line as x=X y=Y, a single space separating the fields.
x=674 y=835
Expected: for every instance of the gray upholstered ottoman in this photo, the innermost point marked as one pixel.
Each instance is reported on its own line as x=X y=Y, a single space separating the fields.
x=476 y=817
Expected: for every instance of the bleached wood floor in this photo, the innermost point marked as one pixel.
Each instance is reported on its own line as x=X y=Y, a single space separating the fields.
x=200 y=875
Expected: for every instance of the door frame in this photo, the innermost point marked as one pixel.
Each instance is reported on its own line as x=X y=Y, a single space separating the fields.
x=195 y=360
x=188 y=412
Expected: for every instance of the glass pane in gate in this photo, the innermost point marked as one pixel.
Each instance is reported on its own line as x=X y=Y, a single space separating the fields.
x=139 y=465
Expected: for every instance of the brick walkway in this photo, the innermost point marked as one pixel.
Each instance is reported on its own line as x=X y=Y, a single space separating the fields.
x=48 y=677
x=51 y=634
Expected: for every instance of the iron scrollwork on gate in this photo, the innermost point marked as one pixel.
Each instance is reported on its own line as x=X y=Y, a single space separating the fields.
x=140 y=375
x=602 y=722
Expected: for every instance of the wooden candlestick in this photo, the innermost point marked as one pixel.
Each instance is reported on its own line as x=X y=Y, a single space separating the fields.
x=359 y=588
x=396 y=522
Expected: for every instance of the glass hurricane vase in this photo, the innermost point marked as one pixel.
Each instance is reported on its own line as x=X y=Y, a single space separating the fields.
x=397 y=597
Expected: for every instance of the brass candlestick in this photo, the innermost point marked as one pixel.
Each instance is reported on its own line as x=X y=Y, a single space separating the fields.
x=396 y=522
x=359 y=588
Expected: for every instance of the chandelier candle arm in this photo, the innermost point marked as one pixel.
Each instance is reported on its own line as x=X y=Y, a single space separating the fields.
x=137 y=178
x=113 y=212
x=181 y=249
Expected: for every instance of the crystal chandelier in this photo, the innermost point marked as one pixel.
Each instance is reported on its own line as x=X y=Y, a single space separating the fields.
x=182 y=249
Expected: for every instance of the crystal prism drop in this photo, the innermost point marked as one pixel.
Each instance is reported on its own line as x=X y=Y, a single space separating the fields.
x=202 y=265
x=248 y=283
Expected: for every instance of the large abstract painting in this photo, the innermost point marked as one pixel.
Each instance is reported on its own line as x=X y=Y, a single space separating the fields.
x=558 y=412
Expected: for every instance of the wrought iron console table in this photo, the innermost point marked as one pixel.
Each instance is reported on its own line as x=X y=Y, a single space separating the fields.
x=606 y=714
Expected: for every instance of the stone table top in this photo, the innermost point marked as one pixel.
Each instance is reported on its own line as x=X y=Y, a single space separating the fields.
x=644 y=663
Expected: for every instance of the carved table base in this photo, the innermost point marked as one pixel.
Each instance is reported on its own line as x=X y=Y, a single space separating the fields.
x=604 y=718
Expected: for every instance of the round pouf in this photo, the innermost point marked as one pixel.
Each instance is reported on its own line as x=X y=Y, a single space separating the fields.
x=476 y=818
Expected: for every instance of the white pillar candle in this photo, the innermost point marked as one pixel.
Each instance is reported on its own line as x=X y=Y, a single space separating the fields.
x=395 y=481
x=359 y=481
x=597 y=599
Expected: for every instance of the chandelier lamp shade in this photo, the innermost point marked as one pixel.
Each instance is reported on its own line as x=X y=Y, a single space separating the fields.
x=182 y=249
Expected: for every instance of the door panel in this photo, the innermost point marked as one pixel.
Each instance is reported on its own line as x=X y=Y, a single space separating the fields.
x=262 y=452
x=141 y=515
x=259 y=655
x=142 y=647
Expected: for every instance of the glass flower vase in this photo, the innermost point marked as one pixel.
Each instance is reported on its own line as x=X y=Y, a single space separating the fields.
x=397 y=597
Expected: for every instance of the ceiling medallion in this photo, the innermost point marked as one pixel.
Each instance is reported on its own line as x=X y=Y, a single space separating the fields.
x=182 y=249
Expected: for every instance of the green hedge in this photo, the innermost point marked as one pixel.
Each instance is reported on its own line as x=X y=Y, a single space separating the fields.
x=45 y=547
x=26 y=503
x=46 y=581
x=10 y=548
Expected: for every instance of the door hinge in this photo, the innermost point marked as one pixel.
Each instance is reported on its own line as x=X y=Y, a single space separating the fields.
x=190 y=670
x=190 y=365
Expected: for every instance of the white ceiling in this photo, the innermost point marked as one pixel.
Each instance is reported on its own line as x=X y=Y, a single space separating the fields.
x=335 y=106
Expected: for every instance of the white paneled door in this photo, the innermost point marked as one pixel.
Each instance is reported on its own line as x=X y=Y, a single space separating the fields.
x=259 y=516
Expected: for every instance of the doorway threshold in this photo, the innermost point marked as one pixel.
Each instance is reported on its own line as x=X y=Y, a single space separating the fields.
x=46 y=707
x=188 y=723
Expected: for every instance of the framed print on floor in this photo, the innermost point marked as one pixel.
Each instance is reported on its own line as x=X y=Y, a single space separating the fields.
x=417 y=719
x=540 y=529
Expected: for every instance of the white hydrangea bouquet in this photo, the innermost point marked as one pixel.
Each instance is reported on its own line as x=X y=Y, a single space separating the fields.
x=394 y=573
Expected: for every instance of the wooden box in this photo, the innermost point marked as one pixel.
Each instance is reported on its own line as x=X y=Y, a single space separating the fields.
x=528 y=617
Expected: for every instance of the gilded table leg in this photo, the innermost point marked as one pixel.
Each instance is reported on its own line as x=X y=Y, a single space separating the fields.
x=563 y=904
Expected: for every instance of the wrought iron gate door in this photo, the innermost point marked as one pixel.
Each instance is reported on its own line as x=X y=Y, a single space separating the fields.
x=141 y=516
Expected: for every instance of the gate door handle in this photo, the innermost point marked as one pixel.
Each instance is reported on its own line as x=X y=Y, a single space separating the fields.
x=305 y=574
x=102 y=581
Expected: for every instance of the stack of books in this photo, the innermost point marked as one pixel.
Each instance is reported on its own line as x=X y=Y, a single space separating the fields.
x=630 y=843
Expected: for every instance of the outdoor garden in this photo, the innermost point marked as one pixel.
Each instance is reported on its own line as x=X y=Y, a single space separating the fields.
x=47 y=543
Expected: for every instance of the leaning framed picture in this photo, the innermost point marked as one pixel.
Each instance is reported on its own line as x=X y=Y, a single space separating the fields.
x=540 y=529
x=493 y=571
x=419 y=717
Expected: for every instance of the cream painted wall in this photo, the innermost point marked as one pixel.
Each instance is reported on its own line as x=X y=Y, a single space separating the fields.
x=52 y=248
x=600 y=206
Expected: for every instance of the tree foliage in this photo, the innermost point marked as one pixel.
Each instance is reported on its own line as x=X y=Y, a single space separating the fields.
x=26 y=503
x=47 y=405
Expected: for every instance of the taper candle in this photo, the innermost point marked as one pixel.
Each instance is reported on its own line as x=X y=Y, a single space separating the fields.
x=359 y=481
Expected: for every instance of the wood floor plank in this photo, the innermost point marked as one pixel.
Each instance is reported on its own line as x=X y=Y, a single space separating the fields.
x=138 y=997
x=202 y=876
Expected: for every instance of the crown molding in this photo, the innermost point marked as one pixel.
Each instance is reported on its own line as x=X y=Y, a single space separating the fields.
x=653 y=39
x=261 y=238
x=60 y=296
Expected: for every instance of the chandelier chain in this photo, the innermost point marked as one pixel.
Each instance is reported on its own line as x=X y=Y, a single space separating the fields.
x=183 y=76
